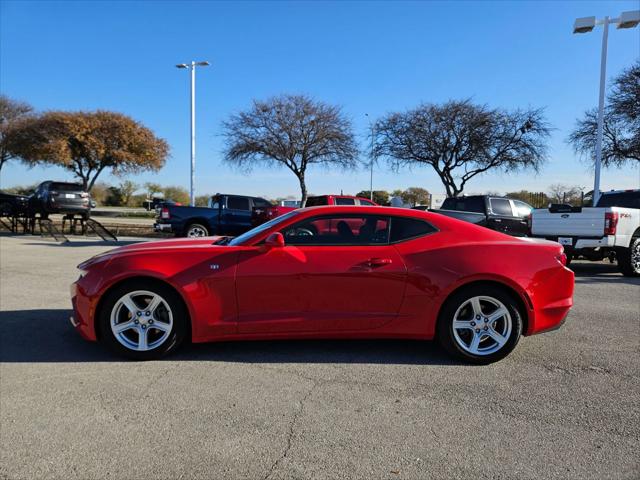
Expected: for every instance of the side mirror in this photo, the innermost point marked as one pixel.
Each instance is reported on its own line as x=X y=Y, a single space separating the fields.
x=275 y=240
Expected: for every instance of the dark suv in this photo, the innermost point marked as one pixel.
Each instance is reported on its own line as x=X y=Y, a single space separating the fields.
x=59 y=197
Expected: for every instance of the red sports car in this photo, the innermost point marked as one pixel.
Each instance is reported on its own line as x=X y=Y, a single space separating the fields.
x=328 y=272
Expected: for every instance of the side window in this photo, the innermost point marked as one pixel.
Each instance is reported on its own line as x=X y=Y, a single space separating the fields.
x=339 y=230
x=345 y=201
x=522 y=209
x=366 y=202
x=261 y=203
x=404 y=228
x=238 y=203
x=500 y=206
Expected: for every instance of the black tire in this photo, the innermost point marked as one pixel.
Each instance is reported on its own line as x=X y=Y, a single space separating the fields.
x=194 y=229
x=445 y=332
x=629 y=259
x=175 y=337
x=569 y=258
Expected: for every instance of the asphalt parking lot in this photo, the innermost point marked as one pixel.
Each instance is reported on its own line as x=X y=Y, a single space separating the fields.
x=564 y=405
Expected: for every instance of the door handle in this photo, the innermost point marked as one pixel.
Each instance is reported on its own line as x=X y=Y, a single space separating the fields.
x=379 y=262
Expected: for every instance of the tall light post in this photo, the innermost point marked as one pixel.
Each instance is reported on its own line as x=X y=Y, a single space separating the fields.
x=371 y=162
x=192 y=66
x=585 y=25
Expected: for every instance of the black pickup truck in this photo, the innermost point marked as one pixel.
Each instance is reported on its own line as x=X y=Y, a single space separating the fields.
x=497 y=213
x=225 y=215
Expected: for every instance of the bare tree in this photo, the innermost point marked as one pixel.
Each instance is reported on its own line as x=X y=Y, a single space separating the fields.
x=87 y=143
x=460 y=140
x=11 y=113
x=292 y=131
x=621 y=126
x=560 y=193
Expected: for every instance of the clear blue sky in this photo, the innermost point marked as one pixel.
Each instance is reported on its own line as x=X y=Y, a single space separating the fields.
x=369 y=57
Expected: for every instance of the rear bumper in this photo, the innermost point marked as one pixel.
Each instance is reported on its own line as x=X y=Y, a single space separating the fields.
x=578 y=243
x=551 y=296
x=162 y=227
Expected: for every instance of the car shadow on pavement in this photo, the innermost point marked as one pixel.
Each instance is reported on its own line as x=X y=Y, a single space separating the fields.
x=46 y=335
x=601 y=272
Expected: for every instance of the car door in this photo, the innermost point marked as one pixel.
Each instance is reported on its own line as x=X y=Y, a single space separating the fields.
x=500 y=215
x=236 y=216
x=323 y=280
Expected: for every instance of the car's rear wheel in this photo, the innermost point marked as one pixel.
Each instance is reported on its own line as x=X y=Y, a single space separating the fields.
x=196 y=230
x=629 y=259
x=143 y=321
x=480 y=324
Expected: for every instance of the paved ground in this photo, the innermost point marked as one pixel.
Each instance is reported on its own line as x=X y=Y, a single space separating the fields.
x=563 y=405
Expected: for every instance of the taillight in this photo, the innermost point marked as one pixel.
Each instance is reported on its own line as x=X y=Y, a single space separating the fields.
x=164 y=213
x=610 y=223
x=84 y=195
x=562 y=258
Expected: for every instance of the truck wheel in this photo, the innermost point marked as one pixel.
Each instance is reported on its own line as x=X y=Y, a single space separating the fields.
x=569 y=258
x=197 y=230
x=629 y=259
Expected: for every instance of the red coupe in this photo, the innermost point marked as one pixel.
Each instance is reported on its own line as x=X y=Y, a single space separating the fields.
x=328 y=272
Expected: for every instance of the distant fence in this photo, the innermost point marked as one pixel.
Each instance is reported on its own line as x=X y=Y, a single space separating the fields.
x=537 y=199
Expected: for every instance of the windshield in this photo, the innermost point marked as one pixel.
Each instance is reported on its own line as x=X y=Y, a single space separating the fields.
x=261 y=228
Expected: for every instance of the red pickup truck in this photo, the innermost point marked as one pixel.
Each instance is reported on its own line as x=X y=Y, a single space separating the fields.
x=264 y=214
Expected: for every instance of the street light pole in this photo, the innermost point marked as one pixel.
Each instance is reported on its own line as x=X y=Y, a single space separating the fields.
x=603 y=82
x=371 y=162
x=587 y=24
x=192 y=67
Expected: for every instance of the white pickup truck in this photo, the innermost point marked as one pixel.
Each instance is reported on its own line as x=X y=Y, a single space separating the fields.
x=611 y=229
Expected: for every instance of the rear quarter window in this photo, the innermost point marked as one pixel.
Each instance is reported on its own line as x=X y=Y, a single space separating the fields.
x=405 y=228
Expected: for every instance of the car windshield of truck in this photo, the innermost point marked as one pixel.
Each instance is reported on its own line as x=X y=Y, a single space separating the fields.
x=245 y=237
x=621 y=199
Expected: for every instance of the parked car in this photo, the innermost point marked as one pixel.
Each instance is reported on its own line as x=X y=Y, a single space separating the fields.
x=405 y=274
x=610 y=229
x=264 y=214
x=60 y=197
x=156 y=203
x=225 y=215
x=497 y=213
x=345 y=200
x=11 y=204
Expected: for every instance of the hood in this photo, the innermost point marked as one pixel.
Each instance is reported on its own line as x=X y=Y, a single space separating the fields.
x=153 y=246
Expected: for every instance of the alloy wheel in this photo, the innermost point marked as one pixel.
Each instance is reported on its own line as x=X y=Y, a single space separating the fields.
x=141 y=320
x=196 y=231
x=482 y=325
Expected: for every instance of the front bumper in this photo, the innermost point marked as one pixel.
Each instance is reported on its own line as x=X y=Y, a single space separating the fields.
x=83 y=309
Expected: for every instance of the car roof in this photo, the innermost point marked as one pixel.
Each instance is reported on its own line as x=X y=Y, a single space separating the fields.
x=365 y=210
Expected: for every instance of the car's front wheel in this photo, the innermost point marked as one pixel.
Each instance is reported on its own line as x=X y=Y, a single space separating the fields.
x=142 y=320
x=481 y=324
